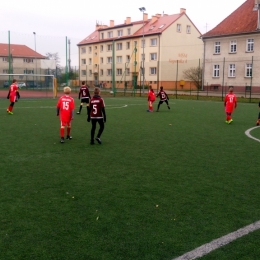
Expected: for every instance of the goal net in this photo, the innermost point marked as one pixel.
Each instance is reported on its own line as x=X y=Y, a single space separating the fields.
x=30 y=85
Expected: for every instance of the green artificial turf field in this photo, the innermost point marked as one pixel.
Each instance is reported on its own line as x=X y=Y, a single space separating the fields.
x=160 y=185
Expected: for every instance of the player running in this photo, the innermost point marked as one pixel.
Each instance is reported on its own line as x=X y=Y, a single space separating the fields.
x=97 y=114
x=65 y=109
x=151 y=99
x=163 y=98
x=230 y=103
x=84 y=95
x=13 y=95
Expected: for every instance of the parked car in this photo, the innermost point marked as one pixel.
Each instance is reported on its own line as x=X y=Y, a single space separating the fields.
x=21 y=84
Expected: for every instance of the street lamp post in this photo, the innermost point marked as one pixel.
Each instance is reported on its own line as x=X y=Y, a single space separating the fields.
x=142 y=9
x=35 y=57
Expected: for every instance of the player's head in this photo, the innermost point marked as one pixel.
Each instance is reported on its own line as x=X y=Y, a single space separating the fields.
x=96 y=91
x=161 y=87
x=83 y=83
x=150 y=87
x=67 y=90
x=230 y=89
x=14 y=80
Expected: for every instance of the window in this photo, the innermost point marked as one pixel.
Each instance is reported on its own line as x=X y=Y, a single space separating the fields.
x=101 y=60
x=128 y=31
x=95 y=47
x=109 y=72
x=142 y=70
x=153 y=56
x=250 y=45
x=5 y=59
x=95 y=53
x=143 y=43
x=135 y=43
x=89 y=49
x=118 y=71
x=127 y=58
x=233 y=46
x=127 y=71
x=28 y=60
x=128 y=45
x=215 y=70
x=90 y=73
x=83 y=72
x=83 y=61
x=109 y=59
x=249 y=70
x=188 y=29
x=178 y=27
x=153 y=71
x=119 y=46
x=217 y=47
x=96 y=65
x=110 y=35
x=83 y=50
x=119 y=59
x=120 y=33
x=154 y=42
x=5 y=71
x=232 y=70
x=89 y=61
x=101 y=47
x=142 y=57
x=28 y=72
x=102 y=35
x=101 y=72
x=109 y=47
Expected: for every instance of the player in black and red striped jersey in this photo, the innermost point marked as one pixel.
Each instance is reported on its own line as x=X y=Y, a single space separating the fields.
x=84 y=95
x=97 y=114
x=163 y=98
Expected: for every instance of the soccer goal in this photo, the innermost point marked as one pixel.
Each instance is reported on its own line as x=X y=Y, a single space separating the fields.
x=31 y=85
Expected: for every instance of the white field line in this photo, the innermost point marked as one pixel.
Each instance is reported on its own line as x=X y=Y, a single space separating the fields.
x=217 y=243
x=222 y=241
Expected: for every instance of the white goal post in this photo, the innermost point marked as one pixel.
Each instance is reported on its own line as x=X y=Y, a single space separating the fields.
x=30 y=81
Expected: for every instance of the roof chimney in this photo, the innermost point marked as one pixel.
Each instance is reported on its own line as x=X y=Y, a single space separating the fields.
x=154 y=18
x=158 y=15
x=182 y=10
x=128 y=20
x=112 y=23
x=145 y=16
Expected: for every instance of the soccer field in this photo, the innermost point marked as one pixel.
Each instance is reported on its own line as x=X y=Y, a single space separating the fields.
x=160 y=185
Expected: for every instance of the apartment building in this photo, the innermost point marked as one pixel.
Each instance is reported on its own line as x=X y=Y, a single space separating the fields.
x=153 y=51
x=232 y=49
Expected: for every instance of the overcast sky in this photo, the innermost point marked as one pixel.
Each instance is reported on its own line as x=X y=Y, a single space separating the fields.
x=53 y=20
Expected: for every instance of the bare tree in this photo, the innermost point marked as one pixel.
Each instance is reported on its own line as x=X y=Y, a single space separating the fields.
x=194 y=74
x=53 y=56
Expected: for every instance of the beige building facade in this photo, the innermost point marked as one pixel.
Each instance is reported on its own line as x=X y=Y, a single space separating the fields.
x=161 y=47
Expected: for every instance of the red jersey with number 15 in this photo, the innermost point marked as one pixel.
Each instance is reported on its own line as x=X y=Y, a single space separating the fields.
x=230 y=102
x=96 y=105
x=66 y=106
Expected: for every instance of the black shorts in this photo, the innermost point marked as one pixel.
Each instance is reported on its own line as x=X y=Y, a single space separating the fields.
x=85 y=100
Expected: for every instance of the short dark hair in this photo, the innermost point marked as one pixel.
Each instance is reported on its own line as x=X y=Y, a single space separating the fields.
x=14 y=80
x=83 y=82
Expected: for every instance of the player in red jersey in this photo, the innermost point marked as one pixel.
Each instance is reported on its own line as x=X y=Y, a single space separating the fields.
x=230 y=103
x=151 y=99
x=84 y=95
x=163 y=98
x=65 y=109
x=97 y=114
x=13 y=94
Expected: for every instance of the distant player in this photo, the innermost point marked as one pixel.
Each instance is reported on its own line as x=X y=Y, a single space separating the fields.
x=13 y=95
x=163 y=98
x=84 y=95
x=230 y=103
x=258 y=120
x=97 y=114
x=151 y=99
x=65 y=109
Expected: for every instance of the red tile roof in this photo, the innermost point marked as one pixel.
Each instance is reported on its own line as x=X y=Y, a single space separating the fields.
x=149 y=28
x=17 y=50
x=242 y=20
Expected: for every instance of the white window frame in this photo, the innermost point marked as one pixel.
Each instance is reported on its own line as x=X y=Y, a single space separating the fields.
x=119 y=59
x=250 y=45
x=128 y=57
x=217 y=47
x=89 y=49
x=119 y=72
x=109 y=47
x=143 y=43
x=101 y=72
x=178 y=27
x=127 y=45
x=102 y=36
x=109 y=72
x=83 y=50
x=109 y=60
x=153 y=42
x=90 y=73
x=153 y=70
x=83 y=72
x=127 y=71
x=216 y=71
x=120 y=33
x=249 y=70
x=153 y=56
x=101 y=48
x=89 y=61
x=188 y=29
x=128 y=31
x=119 y=46
x=101 y=60
x=83 y=61
x=110 y=34
x=233 y=46
x=5 y=71
x=232 y=70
